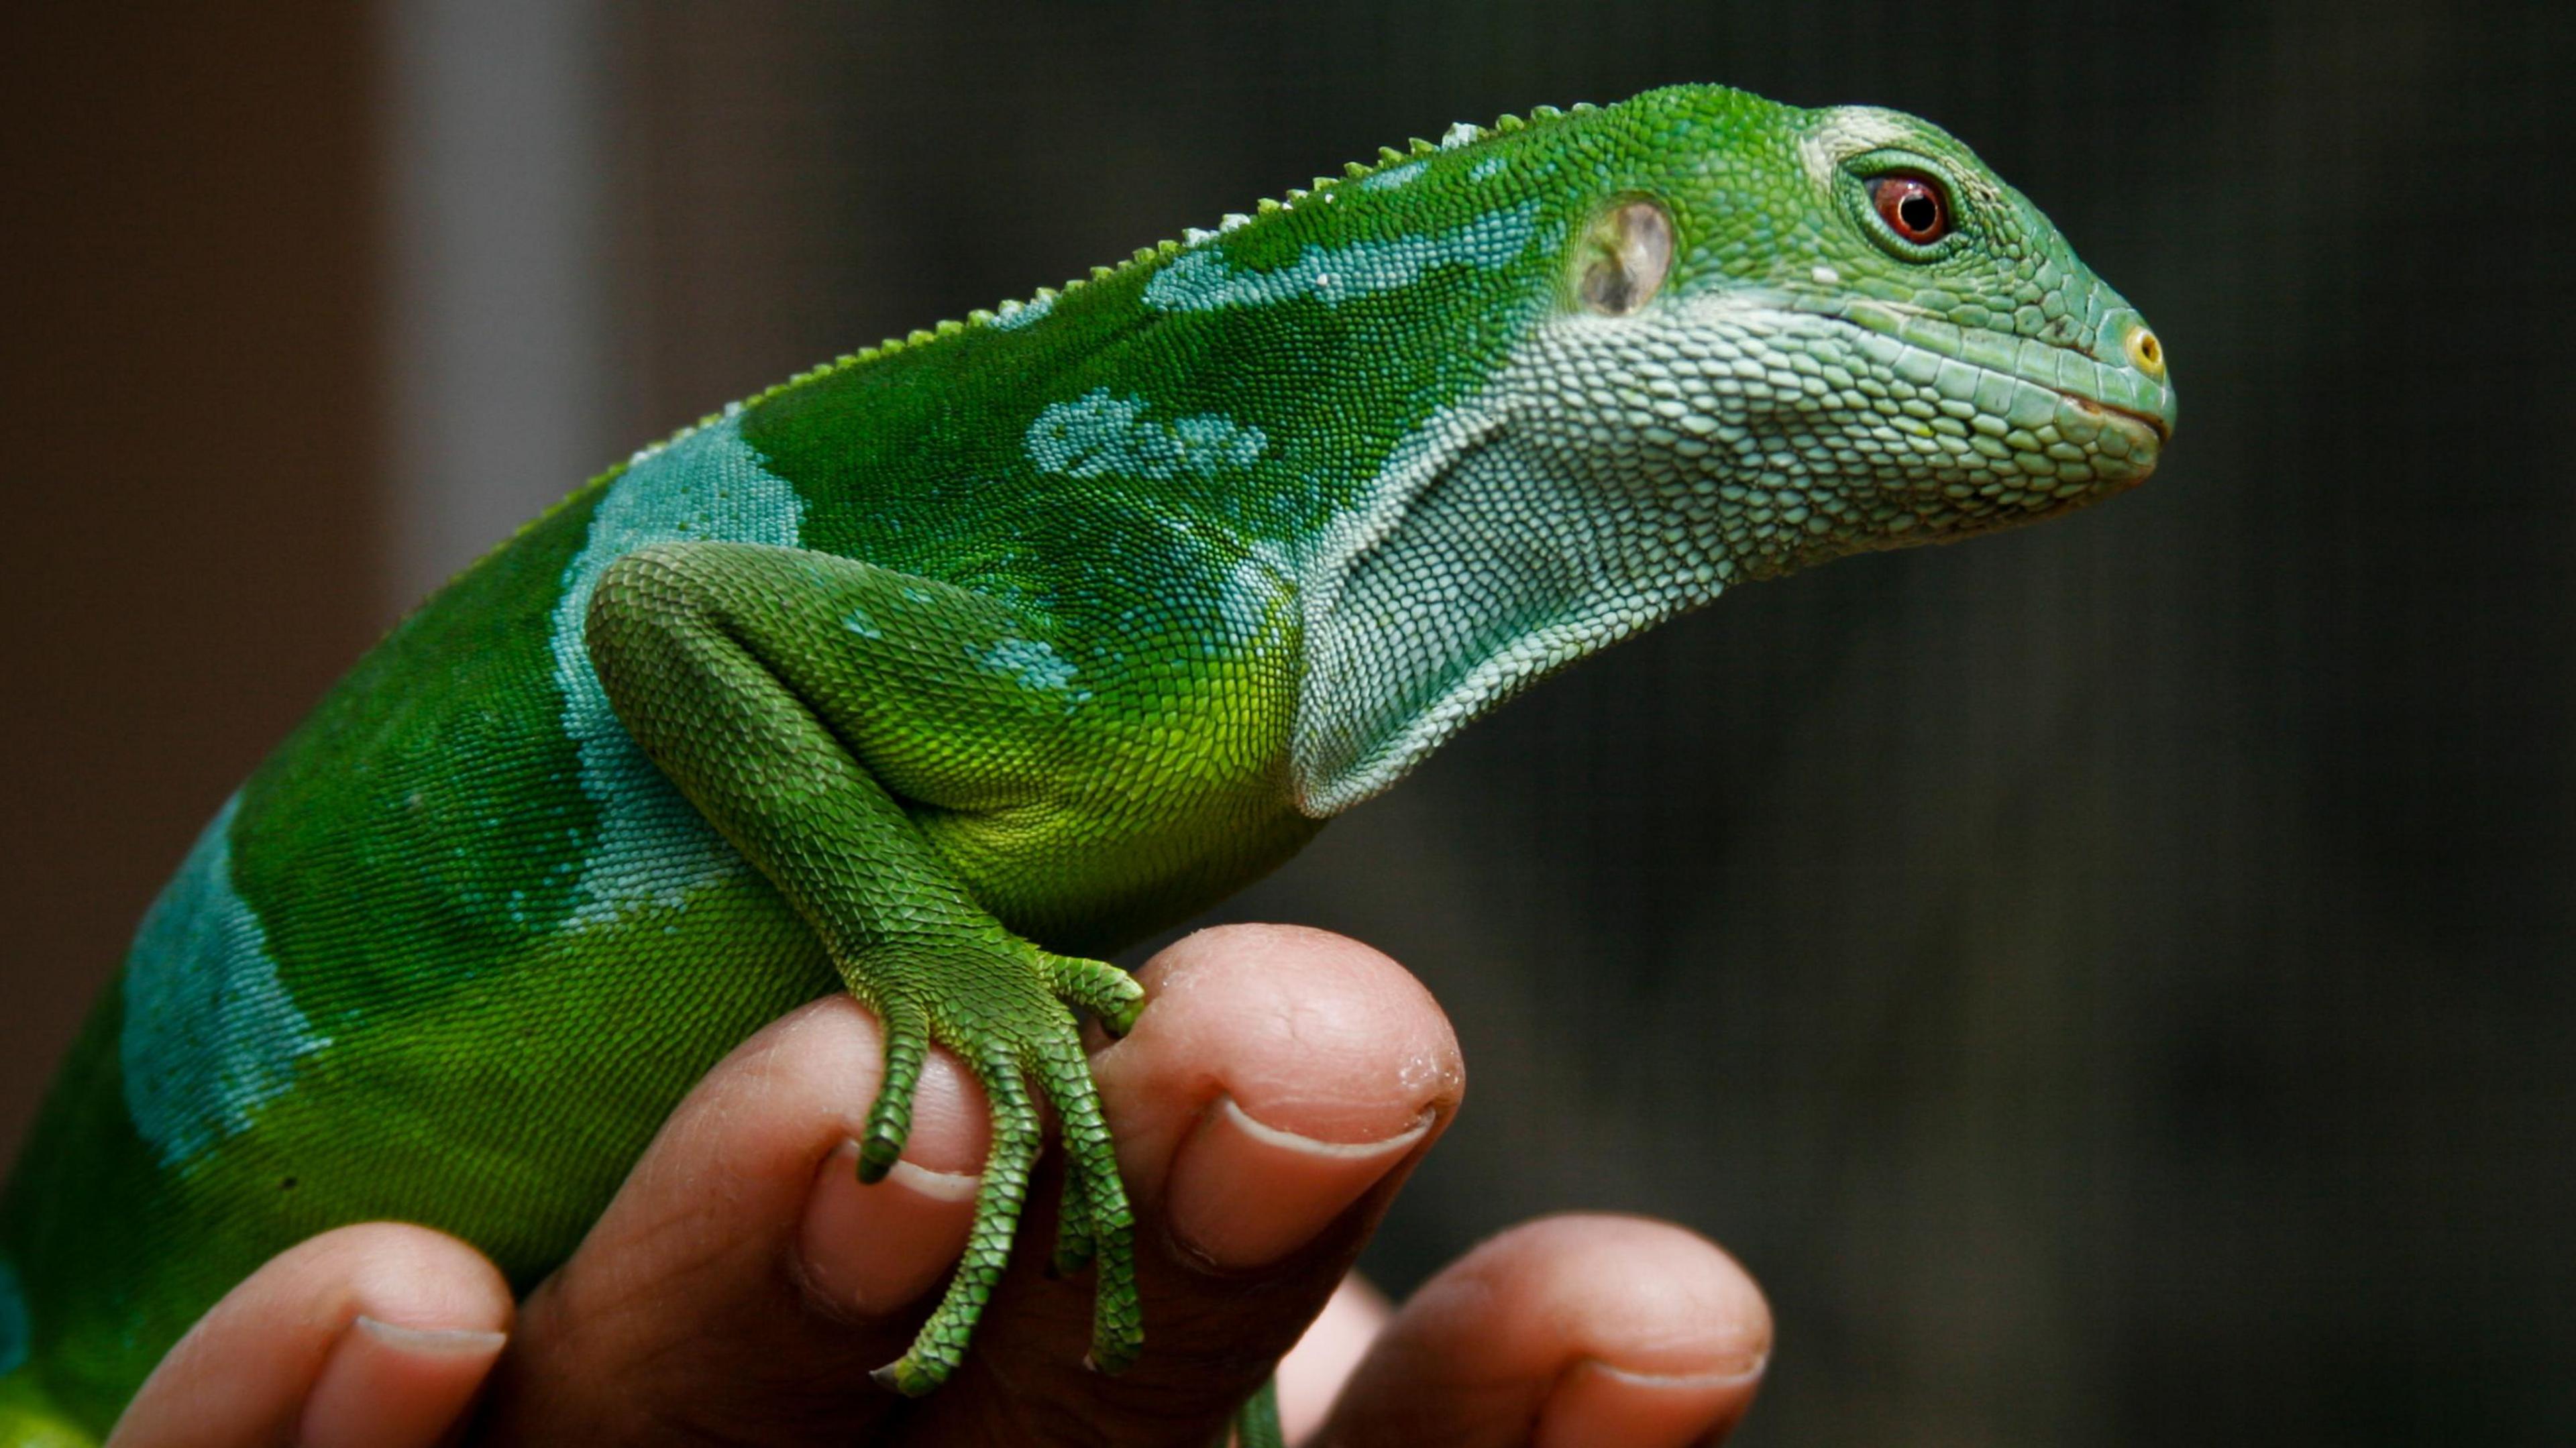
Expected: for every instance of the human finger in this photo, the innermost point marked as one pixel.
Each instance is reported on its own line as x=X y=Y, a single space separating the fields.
x=1568 y=1330
x=376 y=1334
x=1277 y=1088
x=744 y=1282
x=1314 y=1372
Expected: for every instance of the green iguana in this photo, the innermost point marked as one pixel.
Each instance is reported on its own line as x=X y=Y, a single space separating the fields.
x=938 y=672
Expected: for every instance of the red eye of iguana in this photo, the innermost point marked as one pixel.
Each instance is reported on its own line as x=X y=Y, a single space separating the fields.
x=1912 y=207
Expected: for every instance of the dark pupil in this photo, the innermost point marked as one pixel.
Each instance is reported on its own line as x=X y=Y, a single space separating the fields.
x=1919 y=212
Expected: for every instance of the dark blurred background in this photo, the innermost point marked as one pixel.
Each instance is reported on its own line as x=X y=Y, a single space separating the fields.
x=2111 y=983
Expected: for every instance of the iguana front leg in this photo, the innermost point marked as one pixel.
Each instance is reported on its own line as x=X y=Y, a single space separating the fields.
x=801 y=701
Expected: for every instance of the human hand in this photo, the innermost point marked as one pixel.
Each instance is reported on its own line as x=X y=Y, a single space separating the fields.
x=1267 y=1108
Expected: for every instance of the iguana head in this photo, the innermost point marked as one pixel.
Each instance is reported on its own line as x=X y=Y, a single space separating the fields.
x=1642 y=353
x=1812 y=332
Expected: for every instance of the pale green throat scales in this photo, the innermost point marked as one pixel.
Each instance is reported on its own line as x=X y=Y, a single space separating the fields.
x=938 y=672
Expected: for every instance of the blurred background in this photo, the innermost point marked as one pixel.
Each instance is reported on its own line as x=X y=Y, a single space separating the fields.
x=2110 y=983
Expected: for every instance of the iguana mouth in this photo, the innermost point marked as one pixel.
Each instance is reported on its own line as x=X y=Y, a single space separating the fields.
x=2157 y=425
x=2023 y=360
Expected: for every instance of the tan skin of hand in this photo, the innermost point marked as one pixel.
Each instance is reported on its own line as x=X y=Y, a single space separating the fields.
x=1267 y=1107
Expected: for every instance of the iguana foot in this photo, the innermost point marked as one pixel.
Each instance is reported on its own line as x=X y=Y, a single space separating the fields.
x=1008 y=1011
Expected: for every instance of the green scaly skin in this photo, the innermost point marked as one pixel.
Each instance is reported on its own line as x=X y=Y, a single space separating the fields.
x=940 y=671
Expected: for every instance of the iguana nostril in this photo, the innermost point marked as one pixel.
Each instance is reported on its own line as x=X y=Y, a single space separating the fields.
x=2145 y=352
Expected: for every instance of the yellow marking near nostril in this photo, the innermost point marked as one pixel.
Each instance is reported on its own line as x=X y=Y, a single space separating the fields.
x=2145 y=351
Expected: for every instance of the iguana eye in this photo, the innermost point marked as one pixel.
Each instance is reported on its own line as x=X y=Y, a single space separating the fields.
x=1630 y=249
x=1912 y=207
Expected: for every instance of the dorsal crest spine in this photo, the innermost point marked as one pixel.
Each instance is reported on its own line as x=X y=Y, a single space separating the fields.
x=1323 y=187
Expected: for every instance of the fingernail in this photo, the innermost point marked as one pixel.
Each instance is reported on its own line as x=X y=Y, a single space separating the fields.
x=874 y=1249
x=1596 y=1402
x=437 y=1341
x=389 y=1386
x=1245 y=1194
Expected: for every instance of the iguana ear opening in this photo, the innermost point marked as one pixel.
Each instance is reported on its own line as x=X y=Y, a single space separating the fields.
x=1624 y=256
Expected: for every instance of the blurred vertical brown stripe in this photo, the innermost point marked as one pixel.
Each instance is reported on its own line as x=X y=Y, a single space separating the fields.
x=191 y=473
